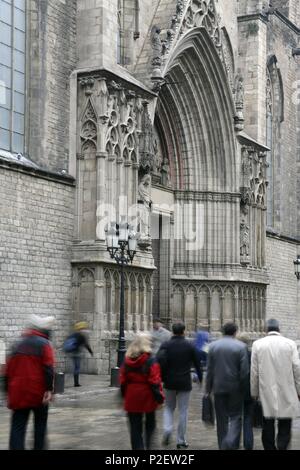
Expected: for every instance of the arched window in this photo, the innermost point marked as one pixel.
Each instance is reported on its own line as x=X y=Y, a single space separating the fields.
x=12 y=74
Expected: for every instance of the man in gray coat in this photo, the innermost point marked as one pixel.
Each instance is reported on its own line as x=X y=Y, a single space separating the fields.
x=227 y=374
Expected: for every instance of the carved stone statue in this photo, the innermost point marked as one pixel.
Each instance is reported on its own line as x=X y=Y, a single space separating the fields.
x=156 y=42
x=239 y=94
x=144 y=190
x=239 y=103
x=244 y=240
x=145 y=204
x=165 y=173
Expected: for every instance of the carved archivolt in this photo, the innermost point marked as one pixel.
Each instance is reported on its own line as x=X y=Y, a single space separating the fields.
x=192 y=14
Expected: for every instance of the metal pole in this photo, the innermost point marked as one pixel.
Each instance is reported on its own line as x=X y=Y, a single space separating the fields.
x=122 y=348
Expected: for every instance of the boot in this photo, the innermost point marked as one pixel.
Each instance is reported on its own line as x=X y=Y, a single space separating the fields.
x=76 y=380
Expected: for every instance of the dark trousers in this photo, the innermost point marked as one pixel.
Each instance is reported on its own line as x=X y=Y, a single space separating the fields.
x=247 y=424
x=136 y=429
x=283 y=436
x=228 y=409
x=19 y=423
x=76 y=364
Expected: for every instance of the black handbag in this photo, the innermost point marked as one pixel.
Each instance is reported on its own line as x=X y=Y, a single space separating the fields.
x=208 y=412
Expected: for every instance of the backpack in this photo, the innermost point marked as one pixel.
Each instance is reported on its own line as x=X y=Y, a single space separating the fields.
x=70 y=344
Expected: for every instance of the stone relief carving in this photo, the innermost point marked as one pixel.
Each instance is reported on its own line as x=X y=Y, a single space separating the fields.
x=115 y=123
x=88 y=132
x=253 y=199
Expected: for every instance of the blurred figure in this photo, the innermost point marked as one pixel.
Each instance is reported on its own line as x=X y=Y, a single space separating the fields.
x=227 y=375
x=202 y=344
x=159 y=335
x=29 y=377
x=248 y=405
x=74 y=344
x=275 y=380
x=176 y=358
x=141 y=389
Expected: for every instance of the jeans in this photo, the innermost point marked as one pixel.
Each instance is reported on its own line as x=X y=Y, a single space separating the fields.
x=283 y=436
x=19 y=423
x=76 y=364
x=170 y=404
x=229 y=407
x=136 y=430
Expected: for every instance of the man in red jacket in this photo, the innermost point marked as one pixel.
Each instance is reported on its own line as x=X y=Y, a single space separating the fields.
x=29 y=382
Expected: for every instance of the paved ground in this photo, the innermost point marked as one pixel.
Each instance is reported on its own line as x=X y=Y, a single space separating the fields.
x=90 y=418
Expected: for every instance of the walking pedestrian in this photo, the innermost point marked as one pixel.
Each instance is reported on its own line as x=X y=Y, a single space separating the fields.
x=176 y=358
x=141 y=388
x=227 y=373
x=74 y=345
x=275 y=380
x=29 y=376
x=159 y=335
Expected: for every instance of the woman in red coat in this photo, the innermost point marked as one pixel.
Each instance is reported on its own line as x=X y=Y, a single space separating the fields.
x=141 y=388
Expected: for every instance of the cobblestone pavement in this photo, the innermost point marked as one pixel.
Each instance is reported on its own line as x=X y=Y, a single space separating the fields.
x=91 y=418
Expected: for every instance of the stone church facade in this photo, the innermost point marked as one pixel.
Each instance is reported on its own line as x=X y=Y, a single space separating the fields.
x=182 y=117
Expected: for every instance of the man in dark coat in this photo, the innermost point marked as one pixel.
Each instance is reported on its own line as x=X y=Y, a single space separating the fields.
x=29 y=378
x=176 y=357
x=227 y=377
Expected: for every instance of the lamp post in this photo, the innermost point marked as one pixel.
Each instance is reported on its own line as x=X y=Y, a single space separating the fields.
x=297 y=267
x=121 y=244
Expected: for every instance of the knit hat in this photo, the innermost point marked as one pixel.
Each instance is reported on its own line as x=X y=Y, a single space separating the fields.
x=81 y=325
x=40 y=323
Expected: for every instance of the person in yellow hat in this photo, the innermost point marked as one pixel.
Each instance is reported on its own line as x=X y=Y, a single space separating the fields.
x=74 y=344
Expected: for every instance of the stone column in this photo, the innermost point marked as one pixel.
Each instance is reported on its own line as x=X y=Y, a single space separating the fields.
x=79 y=196
x=101 y=175
x=252 y=60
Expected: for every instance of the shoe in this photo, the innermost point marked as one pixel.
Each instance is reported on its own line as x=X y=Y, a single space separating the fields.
x=77 y=385
x=166 y=439
x=183 y=445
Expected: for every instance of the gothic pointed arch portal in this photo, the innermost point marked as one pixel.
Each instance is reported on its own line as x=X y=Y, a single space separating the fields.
x=196 y=111
x=195 y=115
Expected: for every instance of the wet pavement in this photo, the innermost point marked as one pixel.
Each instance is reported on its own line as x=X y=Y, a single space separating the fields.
x=91 y=418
